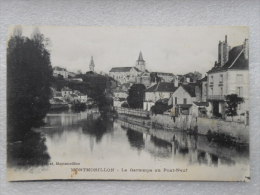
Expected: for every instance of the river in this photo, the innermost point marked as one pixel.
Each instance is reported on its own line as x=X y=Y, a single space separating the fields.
x=88 y=141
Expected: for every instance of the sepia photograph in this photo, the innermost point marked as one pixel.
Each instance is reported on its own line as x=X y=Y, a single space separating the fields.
x=128 y=103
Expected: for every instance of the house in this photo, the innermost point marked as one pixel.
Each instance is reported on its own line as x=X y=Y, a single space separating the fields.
x=230 y=75
x=162 y=77
x=191 y=77
x=202 y=84
x=129 y=74
x=82 y=98
x=71 y=74
x=144 y=79
x=117 y=102
x=156 y=92
x=183 y=97
x=120 y=94
x=58 y=71
x=200 y=109
x=66 y=91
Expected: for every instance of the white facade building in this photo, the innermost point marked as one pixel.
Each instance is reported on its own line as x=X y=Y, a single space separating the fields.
x=60 y=71
x=156 y=92
x=232 y=77
x=129 y=74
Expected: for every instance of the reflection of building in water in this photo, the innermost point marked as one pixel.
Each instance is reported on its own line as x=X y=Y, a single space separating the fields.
x=66 y=119
x=195 y=149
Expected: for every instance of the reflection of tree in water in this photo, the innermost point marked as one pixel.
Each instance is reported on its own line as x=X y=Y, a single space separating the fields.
x=214 y=159
x=30 y=151
x=161 y=143
x=97 y=127
x=202 y=157
x=135 y=139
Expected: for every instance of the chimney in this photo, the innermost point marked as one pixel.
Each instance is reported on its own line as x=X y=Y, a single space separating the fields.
x=220 y=53
x=176 y=82
x=225 y=38
x=246 y=49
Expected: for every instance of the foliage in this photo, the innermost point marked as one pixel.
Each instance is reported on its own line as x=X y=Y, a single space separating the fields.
x=232 y=101
x=160 y=107
x=99 y=89
x=29 y=75
x=136 y=96
x=125 y=105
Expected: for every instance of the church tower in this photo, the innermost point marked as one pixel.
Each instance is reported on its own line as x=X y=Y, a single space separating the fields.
x=91 y=65
x=140 y=63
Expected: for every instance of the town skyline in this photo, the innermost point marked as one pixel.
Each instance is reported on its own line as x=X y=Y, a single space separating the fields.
x=174 y=49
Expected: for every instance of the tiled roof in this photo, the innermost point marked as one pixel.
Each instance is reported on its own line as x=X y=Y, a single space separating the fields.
x=201 y=104
x=162 y=87
x=190 y=88
x=163 y=73
x=236 y=61
x=123 y=69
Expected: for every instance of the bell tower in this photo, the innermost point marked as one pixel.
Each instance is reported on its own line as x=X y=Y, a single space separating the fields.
x=91 y=65
x=140 y=63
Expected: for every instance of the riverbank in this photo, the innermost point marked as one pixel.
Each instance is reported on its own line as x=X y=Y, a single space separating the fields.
x=217 y=129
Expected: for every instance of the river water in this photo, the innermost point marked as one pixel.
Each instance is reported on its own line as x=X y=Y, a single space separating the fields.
x=120 y=150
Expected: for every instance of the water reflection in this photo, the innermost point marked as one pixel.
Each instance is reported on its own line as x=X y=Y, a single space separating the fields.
x=30 y=151
x=135 y=139
x=97 y=127
x=86 y=136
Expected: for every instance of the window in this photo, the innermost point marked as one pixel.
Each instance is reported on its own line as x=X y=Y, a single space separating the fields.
x=184 y=100
x=239 y=78
x=221 y=78
x=221 y=90
x=240 y=91
x=176 y=101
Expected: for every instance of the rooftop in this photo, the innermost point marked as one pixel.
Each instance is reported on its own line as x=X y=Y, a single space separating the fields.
x=236 y=61
x=162 y=87
x=123 y=69
x=190 y=88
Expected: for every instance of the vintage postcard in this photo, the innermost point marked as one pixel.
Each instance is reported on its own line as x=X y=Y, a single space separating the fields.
x=128 y=103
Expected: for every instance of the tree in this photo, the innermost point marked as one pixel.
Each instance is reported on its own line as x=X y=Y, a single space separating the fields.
x=232 y=101
x=136 y=96
x=29 y=75
x=160 y=107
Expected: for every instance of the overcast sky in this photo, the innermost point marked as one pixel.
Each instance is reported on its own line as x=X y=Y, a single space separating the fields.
x=166 y=49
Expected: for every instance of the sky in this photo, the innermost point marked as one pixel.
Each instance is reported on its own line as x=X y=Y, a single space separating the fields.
x=177 y=50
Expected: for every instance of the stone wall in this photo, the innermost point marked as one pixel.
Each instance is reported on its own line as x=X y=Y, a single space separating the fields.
x=186 y=122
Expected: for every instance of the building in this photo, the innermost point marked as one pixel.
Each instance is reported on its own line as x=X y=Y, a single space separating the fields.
x=230 y=75
x=71 y=74
x=144 y=79
x=129 y=74
x=125 y=74
x=120 y=94
x=183 y=98
x=162 y=77
x=191 y=77
x=58 y=71
x=202 y=84
x=65 y=91
x=92 y=65
x=156 y=92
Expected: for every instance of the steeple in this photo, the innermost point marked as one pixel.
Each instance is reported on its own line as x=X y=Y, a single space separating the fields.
x=140 y=58
x=91 y=65
x=140 y=63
